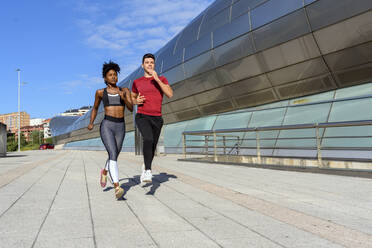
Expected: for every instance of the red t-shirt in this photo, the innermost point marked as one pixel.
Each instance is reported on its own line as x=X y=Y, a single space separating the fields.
x=151 y=90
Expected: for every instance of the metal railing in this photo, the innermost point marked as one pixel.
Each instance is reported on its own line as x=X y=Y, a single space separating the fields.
x=221 y=136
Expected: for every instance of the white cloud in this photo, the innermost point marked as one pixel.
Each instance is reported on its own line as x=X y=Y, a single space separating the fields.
x=132 y=28
x=83 y=81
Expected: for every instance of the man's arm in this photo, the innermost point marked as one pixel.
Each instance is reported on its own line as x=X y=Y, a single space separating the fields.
x=136 y=96
x=137 y=99
x=167 y=90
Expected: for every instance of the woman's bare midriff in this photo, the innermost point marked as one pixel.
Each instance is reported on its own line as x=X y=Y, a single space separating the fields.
x=115 y=111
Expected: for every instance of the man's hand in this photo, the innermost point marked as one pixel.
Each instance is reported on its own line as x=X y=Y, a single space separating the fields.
x=155 y=75
x=140 y=99
x=90 y=126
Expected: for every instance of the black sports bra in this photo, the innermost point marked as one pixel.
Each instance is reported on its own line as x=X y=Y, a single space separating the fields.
x=112 y=100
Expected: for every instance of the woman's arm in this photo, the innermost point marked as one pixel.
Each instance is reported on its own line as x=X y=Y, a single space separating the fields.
x=128 y=99
x=93 y=114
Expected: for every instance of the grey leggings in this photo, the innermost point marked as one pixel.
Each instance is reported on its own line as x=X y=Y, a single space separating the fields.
x=112 y=132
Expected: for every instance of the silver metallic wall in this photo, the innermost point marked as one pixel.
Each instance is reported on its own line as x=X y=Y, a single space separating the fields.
x=238 y=54
x=3 y=139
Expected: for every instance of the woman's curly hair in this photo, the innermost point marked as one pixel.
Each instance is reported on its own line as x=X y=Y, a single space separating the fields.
x=110 y=66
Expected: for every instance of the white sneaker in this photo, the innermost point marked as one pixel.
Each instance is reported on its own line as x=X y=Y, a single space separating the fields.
x=143 y=173
x=147 y=177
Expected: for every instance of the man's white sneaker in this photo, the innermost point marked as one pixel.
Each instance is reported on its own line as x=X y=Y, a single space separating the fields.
x=143 y=173
x=147 y=177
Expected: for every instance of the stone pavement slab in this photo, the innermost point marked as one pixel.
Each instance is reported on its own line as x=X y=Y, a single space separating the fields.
x=53 y=199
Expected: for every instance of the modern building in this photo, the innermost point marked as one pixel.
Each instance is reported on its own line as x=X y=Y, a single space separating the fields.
x=76 y=112
x=11 y=120
x=36 y=121
x=47 y=132
x=257 y=63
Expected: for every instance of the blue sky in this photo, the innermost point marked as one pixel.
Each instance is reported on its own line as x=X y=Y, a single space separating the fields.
x=60 y=46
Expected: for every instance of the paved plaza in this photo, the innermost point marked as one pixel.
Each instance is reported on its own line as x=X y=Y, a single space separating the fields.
x=53 y=199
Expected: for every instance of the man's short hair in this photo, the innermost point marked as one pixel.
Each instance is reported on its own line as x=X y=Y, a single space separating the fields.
x=148 y=55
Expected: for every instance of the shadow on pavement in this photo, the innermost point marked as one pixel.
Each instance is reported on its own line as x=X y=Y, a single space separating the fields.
x=135 y=180
x=157 y=180
x=13 y=156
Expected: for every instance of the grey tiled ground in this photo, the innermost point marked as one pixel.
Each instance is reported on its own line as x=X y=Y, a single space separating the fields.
x=53 y=199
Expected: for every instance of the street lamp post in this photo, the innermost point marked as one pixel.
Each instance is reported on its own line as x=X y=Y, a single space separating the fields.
x=19 y=109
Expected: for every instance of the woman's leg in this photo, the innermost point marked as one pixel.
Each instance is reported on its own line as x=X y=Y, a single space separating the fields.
x=119 y=136
x=108 y=139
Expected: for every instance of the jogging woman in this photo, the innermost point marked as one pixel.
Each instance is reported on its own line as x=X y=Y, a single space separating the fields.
x=112 y=128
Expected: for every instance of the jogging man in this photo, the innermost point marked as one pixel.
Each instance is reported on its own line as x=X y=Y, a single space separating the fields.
x=147 y=93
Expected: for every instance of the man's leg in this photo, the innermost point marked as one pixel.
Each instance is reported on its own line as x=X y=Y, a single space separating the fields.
x=144 y=126
x=157 y=124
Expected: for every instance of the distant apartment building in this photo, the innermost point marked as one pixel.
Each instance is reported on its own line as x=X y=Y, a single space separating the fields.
x=27 y=132
x=77 y=112
x=36 y=121
x=47 y=132
x=11 y=120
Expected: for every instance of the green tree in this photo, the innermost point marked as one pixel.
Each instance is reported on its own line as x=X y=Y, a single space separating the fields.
x=49 y=140
x=23 y=140
x=11 y=143
x=37 y=137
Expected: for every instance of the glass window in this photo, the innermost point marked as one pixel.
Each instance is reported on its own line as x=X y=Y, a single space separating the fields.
x=326 y=96
x=233 y=50
x=229 y=121
x=330 y=137
x=238 y=69
x=315 y=113
x=175 y=74
x=347 y=142
x=243 y=6
x=190 y=33
x=272 y=10
x=231 y=30
x=326 y=12
x=197 y=47
x=173 y=134
x=284 y=103
x=204 y=123
x=217 y=6
x=355 y=91
x=350 y=57
x=129 y=139
x=352 y=110
x=268 y=117
x=212 y=23
x=199 y=64
x=173 y=60
x=282 y=30
x=298 y=71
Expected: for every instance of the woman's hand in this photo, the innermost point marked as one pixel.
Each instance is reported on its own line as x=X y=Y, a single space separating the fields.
x=90 y=126
x=122 y=93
